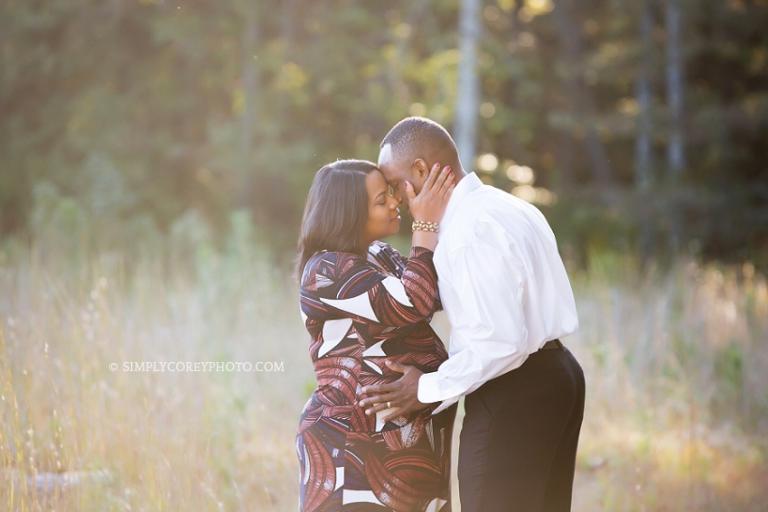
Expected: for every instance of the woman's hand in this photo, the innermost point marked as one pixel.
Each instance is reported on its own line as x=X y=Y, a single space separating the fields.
x=429 y=205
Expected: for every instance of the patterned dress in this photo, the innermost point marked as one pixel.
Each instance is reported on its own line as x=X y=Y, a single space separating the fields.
x=361 y=312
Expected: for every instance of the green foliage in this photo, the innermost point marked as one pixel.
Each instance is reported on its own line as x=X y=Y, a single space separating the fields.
x=729 y=367
x=142 y=111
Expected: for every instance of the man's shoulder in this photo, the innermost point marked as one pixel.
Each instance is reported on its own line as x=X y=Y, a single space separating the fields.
x=512 y=214
x=481 y=227
x=488 y=207
x=492 y=198
x=496 y=220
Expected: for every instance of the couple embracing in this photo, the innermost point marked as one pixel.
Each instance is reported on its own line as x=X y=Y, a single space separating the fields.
x=376 y=433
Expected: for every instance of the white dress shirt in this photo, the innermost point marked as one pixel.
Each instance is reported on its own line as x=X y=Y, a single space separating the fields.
x=503 y=287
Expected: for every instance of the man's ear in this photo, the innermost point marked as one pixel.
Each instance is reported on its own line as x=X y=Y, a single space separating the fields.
x=420 y=169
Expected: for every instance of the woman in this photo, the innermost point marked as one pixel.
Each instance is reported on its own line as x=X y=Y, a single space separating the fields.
x=363 y=305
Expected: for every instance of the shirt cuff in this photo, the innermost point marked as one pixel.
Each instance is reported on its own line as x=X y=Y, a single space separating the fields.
x=428 y=390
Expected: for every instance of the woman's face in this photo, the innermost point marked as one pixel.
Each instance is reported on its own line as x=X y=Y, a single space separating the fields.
x=383 y=211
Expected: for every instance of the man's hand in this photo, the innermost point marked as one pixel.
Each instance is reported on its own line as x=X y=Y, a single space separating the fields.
x=398 y=398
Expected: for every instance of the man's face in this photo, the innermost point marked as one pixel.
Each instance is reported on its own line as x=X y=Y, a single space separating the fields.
x=396 y=172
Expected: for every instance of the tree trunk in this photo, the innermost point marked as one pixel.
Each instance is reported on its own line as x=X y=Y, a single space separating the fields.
x=674 y=72
x=288 y=16
x=250 y=82
x=580 y=99
x=468 y=96
x=643 y=153
x=402 y=43
x=675 y=86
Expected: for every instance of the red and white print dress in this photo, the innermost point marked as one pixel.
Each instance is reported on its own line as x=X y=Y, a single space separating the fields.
x=361 y=312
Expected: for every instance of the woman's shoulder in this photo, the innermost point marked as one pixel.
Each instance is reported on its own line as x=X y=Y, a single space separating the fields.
x=334 y=258
x=377 y=246
x=326 y=267
x=386 y=256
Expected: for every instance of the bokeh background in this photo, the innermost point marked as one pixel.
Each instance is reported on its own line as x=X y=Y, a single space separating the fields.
x=154 y=160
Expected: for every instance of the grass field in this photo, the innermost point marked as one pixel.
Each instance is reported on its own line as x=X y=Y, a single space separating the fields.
x=676 y=363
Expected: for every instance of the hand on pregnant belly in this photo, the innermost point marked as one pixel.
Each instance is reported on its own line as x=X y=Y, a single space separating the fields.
x=399 y=398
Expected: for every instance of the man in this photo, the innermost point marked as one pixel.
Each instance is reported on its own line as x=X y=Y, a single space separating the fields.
x=508 y=299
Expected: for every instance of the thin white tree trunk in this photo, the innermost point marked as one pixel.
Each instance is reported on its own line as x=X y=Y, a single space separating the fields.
x=674 y=72
x=675 y=92
x=249 y=79
x=643 y=146
x=643 y=153
x=288 y=17
x=402 y=43
x=250 y=83
x=468 y=94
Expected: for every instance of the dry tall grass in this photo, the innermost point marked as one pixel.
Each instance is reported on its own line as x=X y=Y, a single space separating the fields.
x=676 y=365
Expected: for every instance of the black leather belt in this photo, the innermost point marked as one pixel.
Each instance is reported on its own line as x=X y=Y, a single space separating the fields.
x=552 y=344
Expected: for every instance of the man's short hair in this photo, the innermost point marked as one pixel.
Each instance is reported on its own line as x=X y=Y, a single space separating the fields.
x=419 y=134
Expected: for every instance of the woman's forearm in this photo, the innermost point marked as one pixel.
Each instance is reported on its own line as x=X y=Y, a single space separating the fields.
x=425 y=239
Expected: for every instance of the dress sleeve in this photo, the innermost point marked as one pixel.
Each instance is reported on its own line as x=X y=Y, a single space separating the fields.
x=360 y=289
x=388 y=257
x=391 y=259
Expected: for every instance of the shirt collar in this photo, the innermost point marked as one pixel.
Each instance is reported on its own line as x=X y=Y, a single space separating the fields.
x=466 y=185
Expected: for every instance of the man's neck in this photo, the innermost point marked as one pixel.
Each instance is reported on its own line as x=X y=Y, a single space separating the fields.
x=459 y=173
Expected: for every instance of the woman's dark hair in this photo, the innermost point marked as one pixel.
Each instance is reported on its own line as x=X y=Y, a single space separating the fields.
x=336 y=210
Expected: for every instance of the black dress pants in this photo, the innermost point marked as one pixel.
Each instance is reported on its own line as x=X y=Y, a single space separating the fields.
x=517 y=449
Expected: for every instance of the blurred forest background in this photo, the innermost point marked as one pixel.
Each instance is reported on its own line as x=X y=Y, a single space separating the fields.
x=647 y=119
x=156 y=155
